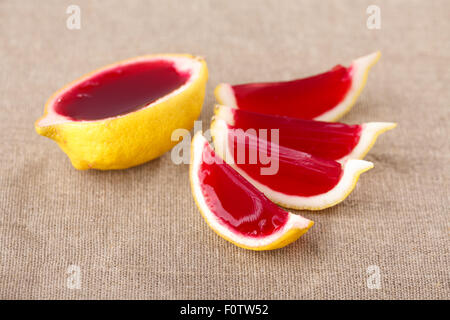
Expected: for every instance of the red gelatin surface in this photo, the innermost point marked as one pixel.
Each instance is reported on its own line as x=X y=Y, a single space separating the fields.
x=235 y=201
x=299 y=173
x=120 y=90
x=328 y=140
x=303 y=98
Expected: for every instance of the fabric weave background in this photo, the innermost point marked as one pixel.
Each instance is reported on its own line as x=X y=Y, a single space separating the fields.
x=137 y=233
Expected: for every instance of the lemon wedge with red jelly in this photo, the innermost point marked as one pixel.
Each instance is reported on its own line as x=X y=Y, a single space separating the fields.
x=328 y=140
x=123 y=115
x=326 y=96
x=234 y=208
x=290 y=178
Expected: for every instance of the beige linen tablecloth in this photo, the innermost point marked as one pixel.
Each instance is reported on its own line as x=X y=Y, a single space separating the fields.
x=137 y=233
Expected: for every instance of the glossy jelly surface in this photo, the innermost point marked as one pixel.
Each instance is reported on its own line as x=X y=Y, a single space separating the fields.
x=328 y=140
x=303 y=98
x=299 y=173
x=120 y=90
x=235 y=201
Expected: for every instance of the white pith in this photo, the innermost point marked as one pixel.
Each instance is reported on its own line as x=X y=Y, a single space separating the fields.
x=369 y=132
x=293 y=222
x=224 y=113
x=181 y=64
x=351 y=170
x=226 y=94
x=360 y=68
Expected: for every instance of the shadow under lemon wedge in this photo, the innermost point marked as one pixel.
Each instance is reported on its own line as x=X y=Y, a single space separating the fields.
x=234 y=208
x=123 y=115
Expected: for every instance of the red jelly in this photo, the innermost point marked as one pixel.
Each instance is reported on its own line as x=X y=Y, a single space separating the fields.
x=299 y=173
x=235 y=200
x=303 y=98
x=327 y=140
x=120 y=90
